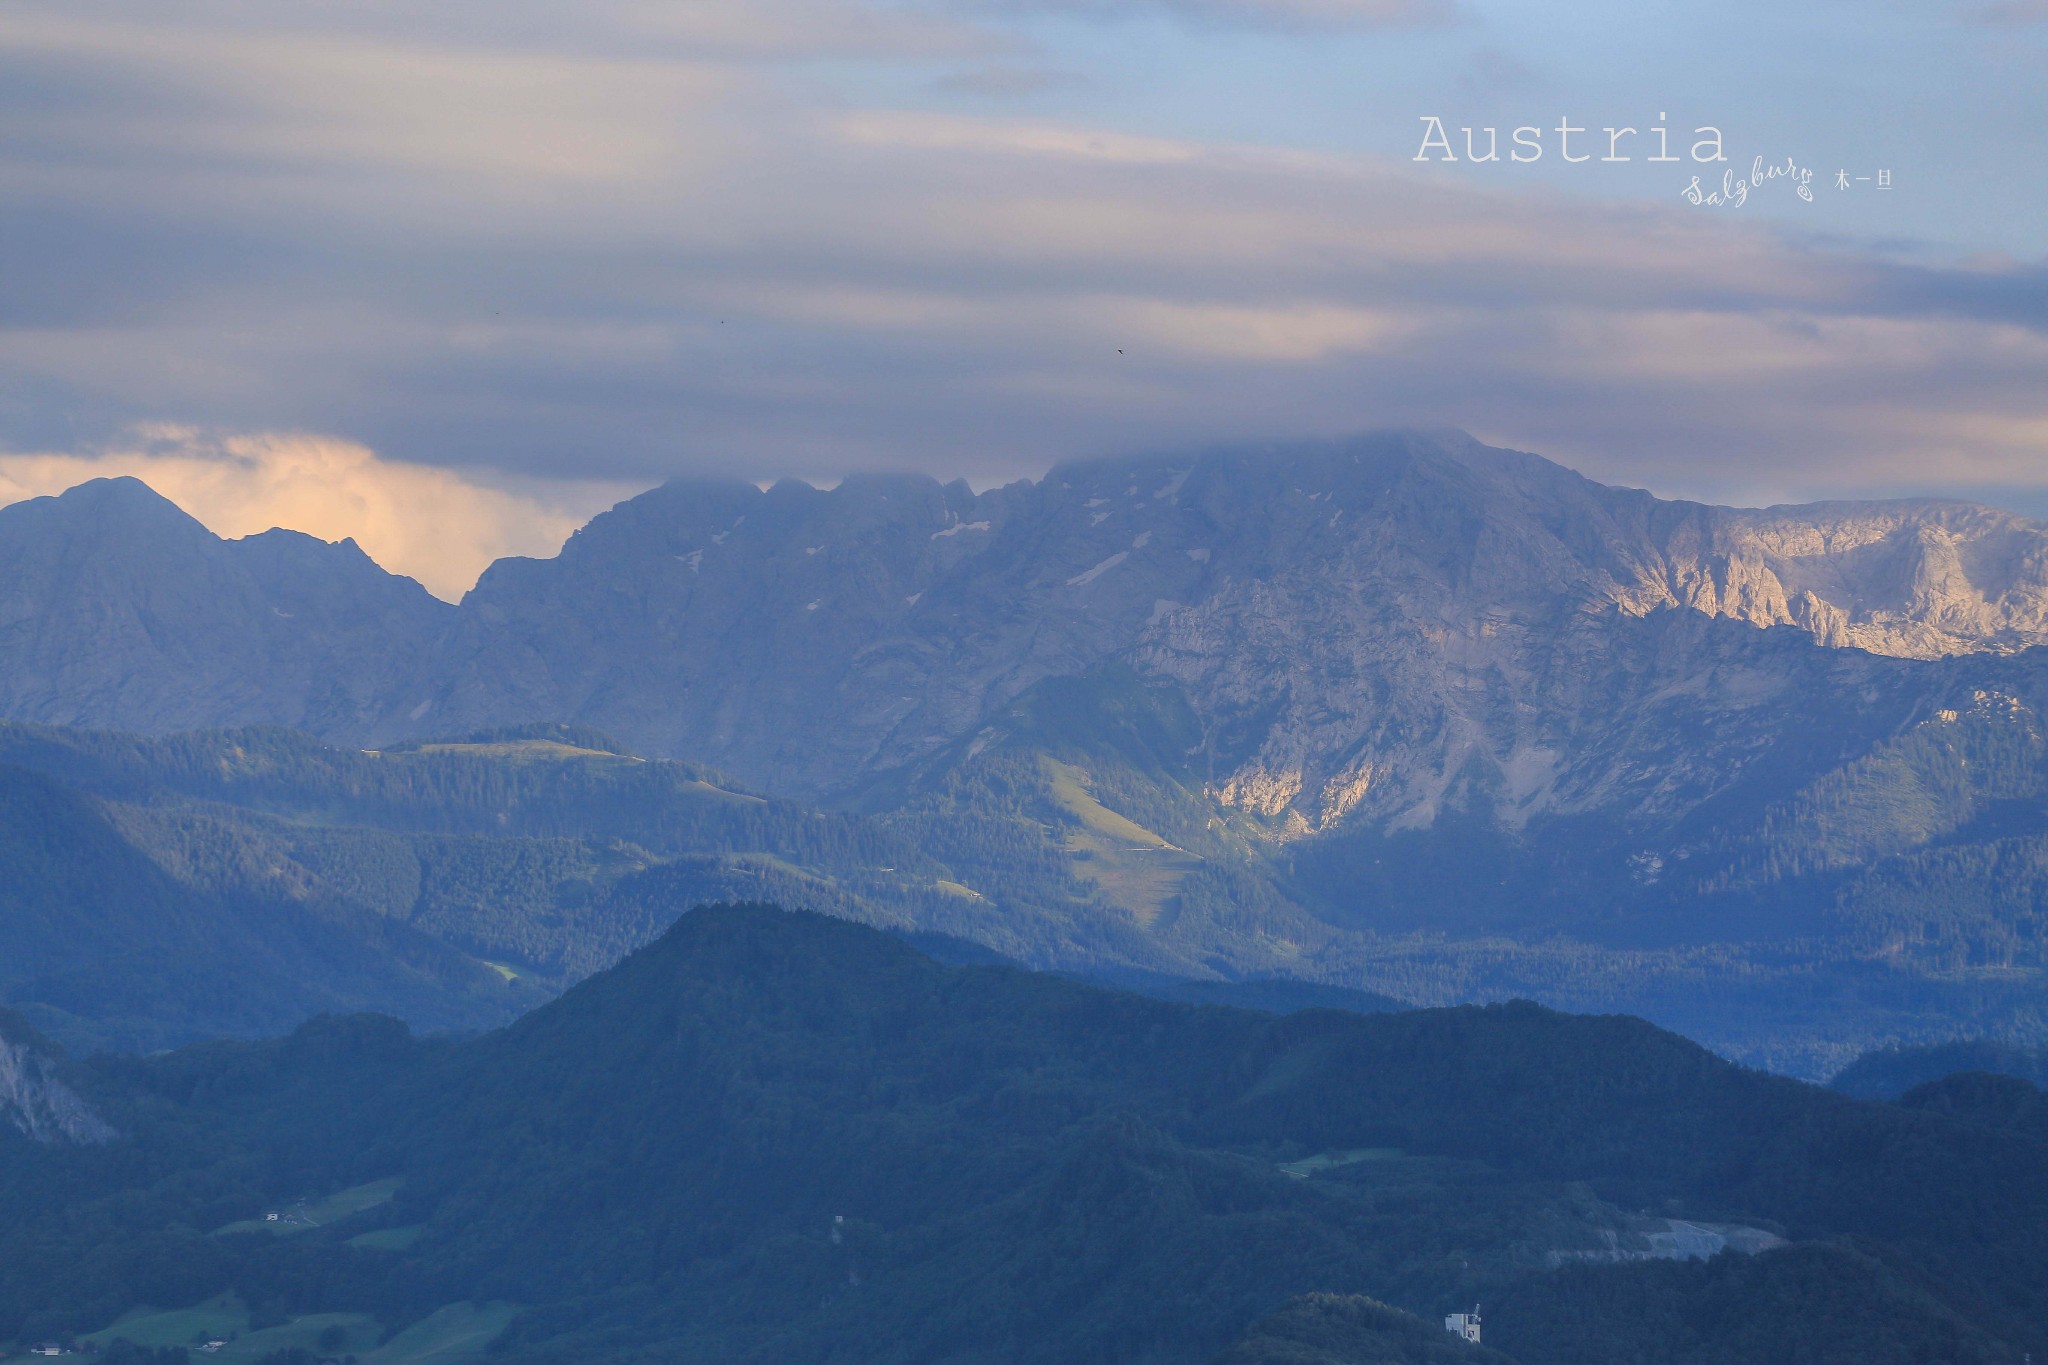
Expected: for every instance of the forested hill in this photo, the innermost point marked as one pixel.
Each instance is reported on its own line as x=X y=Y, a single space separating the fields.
x=537 y=854
x=130 y=928
x=232 y=883
x=1888 y=1073
x=778 y=1137
x=1335 y=1329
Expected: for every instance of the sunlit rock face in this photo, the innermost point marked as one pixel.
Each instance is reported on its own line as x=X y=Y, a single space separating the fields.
x=1365 y=625
x=1366 y=629
x=1406 y=619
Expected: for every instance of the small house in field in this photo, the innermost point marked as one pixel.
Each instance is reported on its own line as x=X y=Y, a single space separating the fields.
x=1464 y=1325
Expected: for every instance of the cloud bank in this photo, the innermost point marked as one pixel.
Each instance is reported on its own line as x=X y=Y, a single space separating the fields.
x=435 y=525
x=634 y=239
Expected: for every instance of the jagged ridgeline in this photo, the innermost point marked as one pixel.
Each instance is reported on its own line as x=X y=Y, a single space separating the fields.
x=773 y=1137
x=1399 y=714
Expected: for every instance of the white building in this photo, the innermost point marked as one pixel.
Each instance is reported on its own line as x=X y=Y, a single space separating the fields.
x=1465 y=1325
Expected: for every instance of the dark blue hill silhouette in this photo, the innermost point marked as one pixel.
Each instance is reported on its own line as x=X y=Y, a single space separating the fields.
x=775 y=1136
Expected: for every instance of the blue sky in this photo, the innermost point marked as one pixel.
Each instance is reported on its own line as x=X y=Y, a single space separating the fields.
x=1953 y=98
x=569 y=250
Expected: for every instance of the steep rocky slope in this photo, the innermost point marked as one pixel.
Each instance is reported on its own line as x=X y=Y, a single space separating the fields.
x=1400 y=712
x=118 y=609
x=34 y=1100
x=1360 y=626
x=1354 y=622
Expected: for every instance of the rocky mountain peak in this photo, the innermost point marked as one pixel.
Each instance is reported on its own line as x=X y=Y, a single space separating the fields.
x=102 y=504
x=1365 y=626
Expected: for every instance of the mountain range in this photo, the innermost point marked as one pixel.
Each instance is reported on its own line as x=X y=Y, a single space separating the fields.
x=1400 y=713
x=1344 y=617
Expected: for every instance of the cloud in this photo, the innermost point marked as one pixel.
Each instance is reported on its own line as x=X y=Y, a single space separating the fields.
x=435 y=525
x=661 y=240
x=1008 y=82
x=2011 y=13
x=639 y=30
x=267 y=122
x=1283 y=14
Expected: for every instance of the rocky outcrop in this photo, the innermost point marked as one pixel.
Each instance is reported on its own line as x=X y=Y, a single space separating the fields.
x=35 y=1102
x=1359 y=622
x=1367 y=628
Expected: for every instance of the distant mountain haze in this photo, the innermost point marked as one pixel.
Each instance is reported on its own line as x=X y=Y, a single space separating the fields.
x=1400 y=713
x=1356 y=622
x=116 y=608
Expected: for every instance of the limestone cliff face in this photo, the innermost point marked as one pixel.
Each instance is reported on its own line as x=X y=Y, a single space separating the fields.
x=1400 y=623
x=1913 y=579
x=1368 y=629
x=1364 y=624
x=35 y=1102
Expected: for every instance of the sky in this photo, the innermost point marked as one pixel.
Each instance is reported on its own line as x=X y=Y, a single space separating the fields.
x=451 y=277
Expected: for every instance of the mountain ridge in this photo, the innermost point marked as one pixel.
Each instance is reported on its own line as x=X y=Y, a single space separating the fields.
x=807 y=639
x=131 y=927
x=771 y=1136
x=1398 y=713
x=116 y=607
